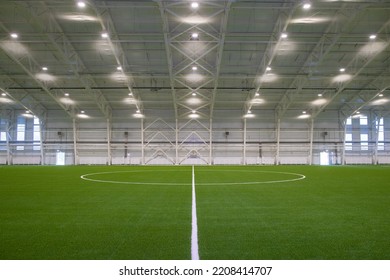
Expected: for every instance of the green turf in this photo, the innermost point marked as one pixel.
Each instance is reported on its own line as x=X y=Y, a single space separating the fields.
x=338 y=212
x=50 y=213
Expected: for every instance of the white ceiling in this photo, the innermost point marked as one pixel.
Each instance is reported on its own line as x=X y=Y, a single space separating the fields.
x=238 y=40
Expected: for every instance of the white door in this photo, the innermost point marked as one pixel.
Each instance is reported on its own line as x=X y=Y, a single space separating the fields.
x=324 y=158
x=60 y=158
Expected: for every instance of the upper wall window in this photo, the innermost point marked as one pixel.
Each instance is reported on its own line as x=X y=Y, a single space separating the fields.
x=37 y=134
x=20 y=132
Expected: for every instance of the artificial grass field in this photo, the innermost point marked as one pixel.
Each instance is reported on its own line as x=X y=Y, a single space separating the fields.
x=244 y=212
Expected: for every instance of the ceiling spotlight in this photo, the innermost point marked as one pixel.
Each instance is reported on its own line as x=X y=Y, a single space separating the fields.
x=44 y=68
x=268 y=68
x=130 y=94
x=81 y=4
x=380 y=95
x=119 y=68
x=194 y=36
x=138 y=111
x=14 y=35
x=194 y=5
x=342 y=69
x=249 y=112
x=66 y=94
x=307 y=6
x=3 y=94
x=304 y=112
x=194 y=94
x=104 y=35
x=82 y=112
x=284 y=35
x=372 y=36
x=194 y=68
x=257 y=94
x=320 y=94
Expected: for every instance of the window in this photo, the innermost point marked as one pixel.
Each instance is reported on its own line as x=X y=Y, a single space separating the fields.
x=381 y=134
x=349 y=121
x=364 y=142
x=20 y=132
x=363 y=120
x=37 y=135
x=3 y=138
x=348 y=142
x=3 y=134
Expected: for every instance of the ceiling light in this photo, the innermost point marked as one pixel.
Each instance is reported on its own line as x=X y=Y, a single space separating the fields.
x=249 y=112
x=66 y=94
x=304 y=116
x=372 y=36
x=14 y=35
x=304 y=112
x=44 y=68
x=380 y=95
x=284 y=35
x=307 y=6
x=3 y=94
x=268 y=68
x=257 y=94
x=195 y=36
x=194 y=116
x=105 y=35
x=194 y=68
x=130 y=94
x=194 y=94
x=82 y=112
x=27 y=114
x=194 y=5
x=119 y=68
x=138 y=111
x=249 y=115
x=342 y=69
x=319 y=101
x=319 y=95
x=83 y=116
x=81 y=4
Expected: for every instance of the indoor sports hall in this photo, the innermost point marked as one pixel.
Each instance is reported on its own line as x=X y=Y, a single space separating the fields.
x=195 y=130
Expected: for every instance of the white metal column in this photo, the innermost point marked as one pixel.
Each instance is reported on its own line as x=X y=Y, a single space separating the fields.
x=343 y=148
x=376 y=134
x=244 y=151
x=8 y=138
x=277 y=142
x=75 y=156
x=311 y=142
x=41 y=132
x=177 y=142
x=142 y=142
x=211 y=143
x=109 y=155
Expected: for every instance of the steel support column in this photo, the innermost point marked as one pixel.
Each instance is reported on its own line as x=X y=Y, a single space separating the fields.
x=311 y=142
x=75 y=156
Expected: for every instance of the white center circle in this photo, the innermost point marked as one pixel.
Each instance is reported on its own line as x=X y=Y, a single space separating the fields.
x=292 y=177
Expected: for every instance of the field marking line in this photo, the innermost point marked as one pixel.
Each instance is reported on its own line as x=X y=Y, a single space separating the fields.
x=299 y=177
x=194 y=230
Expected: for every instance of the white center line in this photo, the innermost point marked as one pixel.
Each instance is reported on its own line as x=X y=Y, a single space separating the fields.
x=194 y=234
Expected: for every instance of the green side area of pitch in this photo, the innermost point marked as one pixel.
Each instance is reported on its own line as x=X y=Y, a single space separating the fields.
x=338 y=212
x=50 y=213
